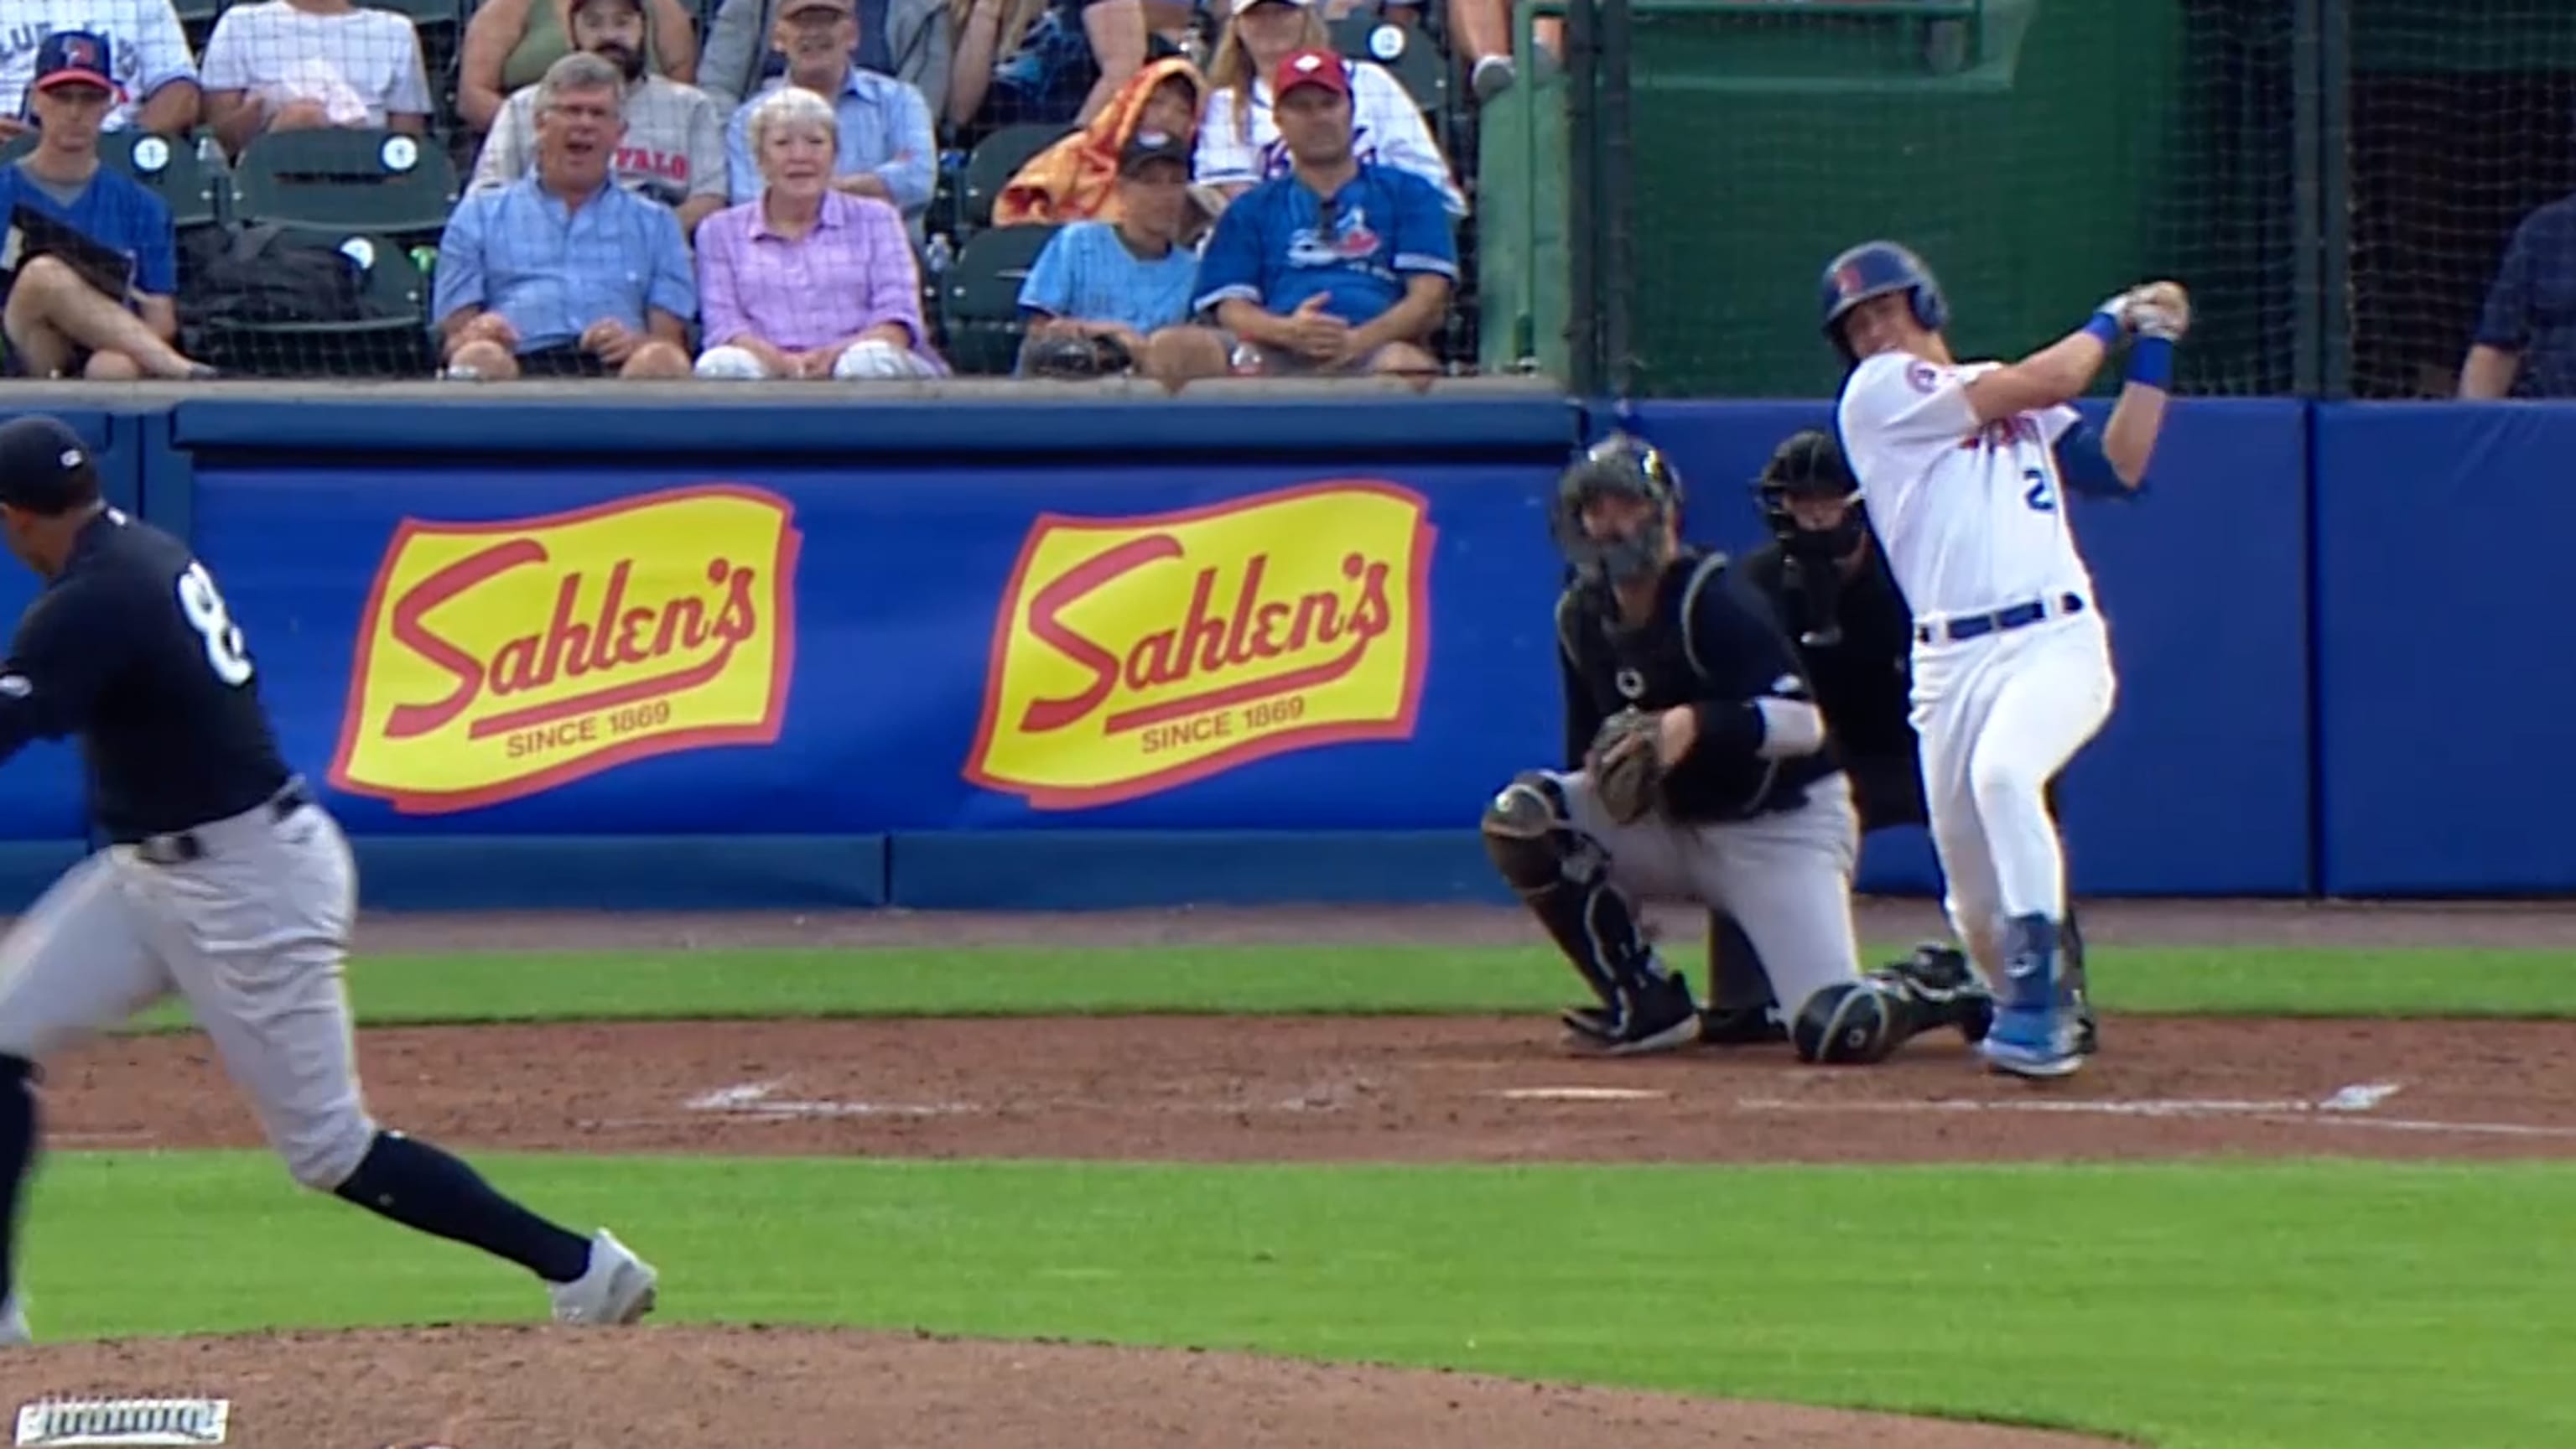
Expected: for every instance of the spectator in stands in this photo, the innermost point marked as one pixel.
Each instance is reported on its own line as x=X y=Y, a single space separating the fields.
x=808 y=279
x=155 y=75
x=1040 y=62
x=887 y=150
x=1130 y=279
x=511 y=44
x=909 y=40
x=297 y=65
x=674 y=150
x=1340 y=266
x=2525 y=345
x=1239 y=140
x=97 y=301
x=1482 y=31
x=1077 y=178
x=563 y=273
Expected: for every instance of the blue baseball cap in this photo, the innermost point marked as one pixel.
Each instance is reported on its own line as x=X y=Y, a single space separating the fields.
x=76 y=57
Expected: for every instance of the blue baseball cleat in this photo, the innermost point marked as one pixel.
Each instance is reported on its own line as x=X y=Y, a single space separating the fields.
x=2036 y=1032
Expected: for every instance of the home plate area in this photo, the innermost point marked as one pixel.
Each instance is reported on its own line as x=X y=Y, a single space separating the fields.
x=1202 y=1089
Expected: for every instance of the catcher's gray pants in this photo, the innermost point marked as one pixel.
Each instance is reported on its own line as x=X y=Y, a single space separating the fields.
x=1786 y=878
x=251 y=933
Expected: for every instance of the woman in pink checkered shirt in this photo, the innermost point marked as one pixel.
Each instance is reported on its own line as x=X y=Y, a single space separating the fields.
x=807 y=280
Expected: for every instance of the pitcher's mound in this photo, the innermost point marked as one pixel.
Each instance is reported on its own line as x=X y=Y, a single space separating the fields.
x=683 y=1388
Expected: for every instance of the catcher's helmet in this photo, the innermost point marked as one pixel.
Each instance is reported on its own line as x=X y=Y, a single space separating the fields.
x=1874 y=269
x=1809 y=464
x=1850 y=1023
x=1619 y=463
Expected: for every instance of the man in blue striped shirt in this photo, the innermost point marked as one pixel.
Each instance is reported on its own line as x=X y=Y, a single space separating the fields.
x=91 y=268
x=1339 y=266
x=564 y=273
x=885 y=146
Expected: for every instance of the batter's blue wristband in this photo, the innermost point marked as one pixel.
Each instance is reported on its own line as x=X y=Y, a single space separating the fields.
x=2105 y=327
x=2151 y=362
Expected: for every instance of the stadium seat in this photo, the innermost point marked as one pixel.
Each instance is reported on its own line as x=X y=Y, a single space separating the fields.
x=395 y=342
x=168 y=167
x=347 y=180
x=1406 y=53
x=983 y=307
x=996 y=159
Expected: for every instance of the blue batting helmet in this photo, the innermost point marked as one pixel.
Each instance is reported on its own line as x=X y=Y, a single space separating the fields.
x=1874 y=269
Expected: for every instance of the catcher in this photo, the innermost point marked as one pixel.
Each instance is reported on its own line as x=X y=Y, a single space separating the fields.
x=1698 y=771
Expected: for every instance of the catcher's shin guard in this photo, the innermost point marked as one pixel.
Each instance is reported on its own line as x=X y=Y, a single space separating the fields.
x=1564 y=881
x=1938 y=989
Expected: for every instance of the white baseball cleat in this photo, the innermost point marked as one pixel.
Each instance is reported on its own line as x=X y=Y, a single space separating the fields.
x=14 y=1332
x=618 y=1287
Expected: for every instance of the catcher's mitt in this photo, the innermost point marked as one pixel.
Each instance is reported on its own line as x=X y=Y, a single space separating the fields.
x=1626 y=773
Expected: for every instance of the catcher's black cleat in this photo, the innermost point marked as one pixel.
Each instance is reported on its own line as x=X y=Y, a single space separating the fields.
x=1937 y=981
x=1657 y=1015
x=1740 y=1026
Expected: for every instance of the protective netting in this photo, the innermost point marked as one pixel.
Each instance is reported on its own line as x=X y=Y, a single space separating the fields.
x=2039 y=154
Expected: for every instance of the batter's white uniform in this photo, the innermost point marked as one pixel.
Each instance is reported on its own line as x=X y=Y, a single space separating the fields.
x=2012 y=660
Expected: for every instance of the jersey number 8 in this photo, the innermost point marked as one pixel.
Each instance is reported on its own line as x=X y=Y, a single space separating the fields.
x=225 y=650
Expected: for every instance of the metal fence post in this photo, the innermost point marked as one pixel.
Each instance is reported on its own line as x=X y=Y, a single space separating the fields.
x=1583 y=208
x=1616 y=270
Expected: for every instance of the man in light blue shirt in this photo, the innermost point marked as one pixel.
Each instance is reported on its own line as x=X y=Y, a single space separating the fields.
x=1128 y=280
x=564 y=273
x=885 y=148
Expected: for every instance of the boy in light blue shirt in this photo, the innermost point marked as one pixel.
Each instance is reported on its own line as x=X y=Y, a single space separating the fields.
x=1128 y=281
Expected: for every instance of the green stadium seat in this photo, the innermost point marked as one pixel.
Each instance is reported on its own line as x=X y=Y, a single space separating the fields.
x=167 y=166
x=347 y=180
x=395 y=343
x=1405 y=52
x=996 y=159
x=983 y=298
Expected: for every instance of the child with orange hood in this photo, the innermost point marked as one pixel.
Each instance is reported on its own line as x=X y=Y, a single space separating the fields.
x=1076 y=179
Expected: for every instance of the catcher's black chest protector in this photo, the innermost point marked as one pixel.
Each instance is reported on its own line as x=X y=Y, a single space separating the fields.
x=1702 y=643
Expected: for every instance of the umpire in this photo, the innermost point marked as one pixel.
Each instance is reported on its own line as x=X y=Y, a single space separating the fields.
x=1825 y=582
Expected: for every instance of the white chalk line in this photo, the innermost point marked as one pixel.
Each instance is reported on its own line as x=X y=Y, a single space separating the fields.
x=2344 y=1107
x=759 y=1099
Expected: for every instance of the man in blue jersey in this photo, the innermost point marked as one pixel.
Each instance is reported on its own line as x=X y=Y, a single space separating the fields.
x=1339 y=266
x=90 y=262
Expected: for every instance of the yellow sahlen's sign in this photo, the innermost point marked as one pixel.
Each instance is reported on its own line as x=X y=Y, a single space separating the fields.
x=497 y=660
x=1134 y=655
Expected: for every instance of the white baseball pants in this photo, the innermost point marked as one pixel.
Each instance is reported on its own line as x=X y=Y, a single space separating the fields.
x=1998 y=716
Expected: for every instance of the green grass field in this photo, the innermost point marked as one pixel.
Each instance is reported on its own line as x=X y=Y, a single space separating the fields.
x=2211 y=1305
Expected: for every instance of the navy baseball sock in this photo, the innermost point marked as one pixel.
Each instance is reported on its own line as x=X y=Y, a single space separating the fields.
x=421 y=1187
x=17 y=1152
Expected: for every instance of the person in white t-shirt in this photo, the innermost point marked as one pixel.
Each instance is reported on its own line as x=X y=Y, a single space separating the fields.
x=297 y=65
x=1238 y=141
x=149 y=56
x=1964 y=467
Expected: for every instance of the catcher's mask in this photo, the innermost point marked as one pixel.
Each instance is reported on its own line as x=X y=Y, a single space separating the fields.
x=1808 y=465
x=1620 y=464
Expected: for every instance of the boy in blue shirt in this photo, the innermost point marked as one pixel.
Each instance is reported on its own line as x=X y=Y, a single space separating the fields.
x=97 y=302
x=1336 y=267
x=1128 y=280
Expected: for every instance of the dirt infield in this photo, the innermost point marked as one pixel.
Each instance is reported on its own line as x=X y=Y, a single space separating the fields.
x=1243 y=1089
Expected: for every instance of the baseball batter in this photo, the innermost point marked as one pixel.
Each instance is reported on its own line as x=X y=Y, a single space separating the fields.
x=1964 y=469
x=1697 y=770
x=224 y=882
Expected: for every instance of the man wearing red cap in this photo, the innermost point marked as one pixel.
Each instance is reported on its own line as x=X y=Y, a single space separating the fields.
x=1340 y=266
x=148 y=61
x=91 y=294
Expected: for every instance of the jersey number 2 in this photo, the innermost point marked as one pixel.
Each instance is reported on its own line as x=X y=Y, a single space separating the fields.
x=225 y=651
x=2041 y=495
